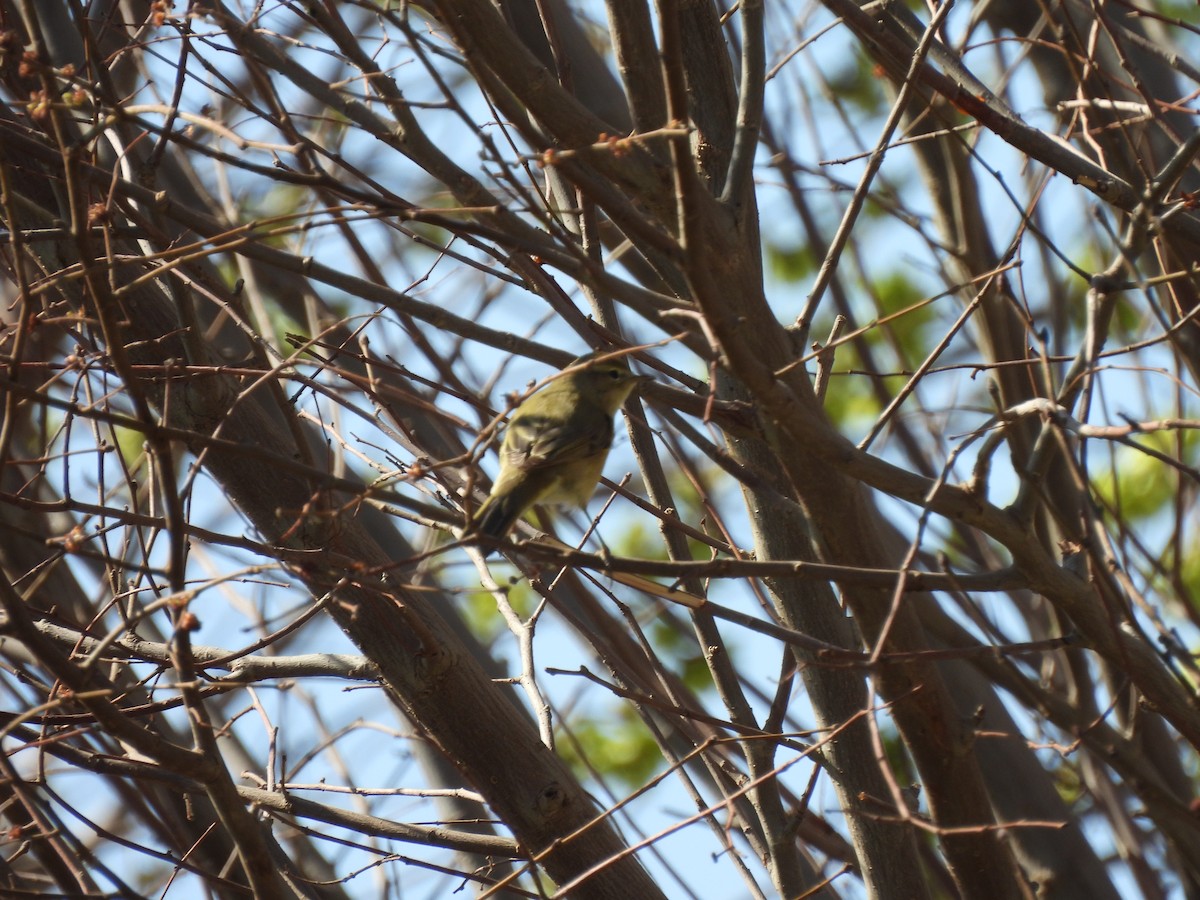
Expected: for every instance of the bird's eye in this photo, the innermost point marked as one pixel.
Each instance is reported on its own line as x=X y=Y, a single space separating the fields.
x=614 y=374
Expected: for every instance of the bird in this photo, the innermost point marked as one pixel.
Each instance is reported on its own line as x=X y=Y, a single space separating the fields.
x=557 y=441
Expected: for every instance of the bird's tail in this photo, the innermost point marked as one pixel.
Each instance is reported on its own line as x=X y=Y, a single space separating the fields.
x=495 y=518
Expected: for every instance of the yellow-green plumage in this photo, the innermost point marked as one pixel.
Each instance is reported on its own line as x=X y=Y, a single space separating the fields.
x=556 y=443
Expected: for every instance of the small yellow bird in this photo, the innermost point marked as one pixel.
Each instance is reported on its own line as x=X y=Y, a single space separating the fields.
x=557 y=441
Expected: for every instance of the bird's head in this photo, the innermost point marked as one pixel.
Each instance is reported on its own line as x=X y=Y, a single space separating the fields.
x=606 y=379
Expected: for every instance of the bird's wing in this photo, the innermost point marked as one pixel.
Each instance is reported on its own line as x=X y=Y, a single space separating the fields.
x=533 y=442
